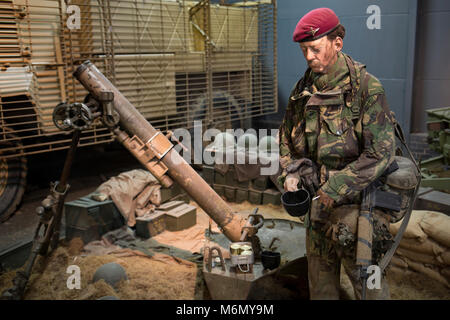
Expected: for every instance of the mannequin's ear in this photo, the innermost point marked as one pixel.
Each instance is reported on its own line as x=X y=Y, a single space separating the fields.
x=338 y=43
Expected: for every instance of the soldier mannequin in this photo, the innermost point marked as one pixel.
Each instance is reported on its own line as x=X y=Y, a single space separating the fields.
x=342 y=133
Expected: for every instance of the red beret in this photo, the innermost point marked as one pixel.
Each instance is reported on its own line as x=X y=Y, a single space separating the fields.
x=315 y=24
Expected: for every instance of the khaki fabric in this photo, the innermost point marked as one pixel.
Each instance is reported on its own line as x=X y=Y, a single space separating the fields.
x=134 y=193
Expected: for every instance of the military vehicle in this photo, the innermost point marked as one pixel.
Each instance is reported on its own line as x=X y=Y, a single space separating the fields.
x=176 y=61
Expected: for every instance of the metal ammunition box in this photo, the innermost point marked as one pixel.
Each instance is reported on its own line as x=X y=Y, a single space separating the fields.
x=151 y=224
x=90 y=219
x=255 y=196
x=271 y=196
x=219 y=178
x=260 y=183
x=241 y=195
x=170 y=193
x=220 y=189
x=208 y=174
x=230 y=193
x=182 y=217
x=170 y=205
x=232 y=180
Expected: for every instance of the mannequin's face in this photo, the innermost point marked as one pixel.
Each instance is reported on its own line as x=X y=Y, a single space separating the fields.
x=321 y=54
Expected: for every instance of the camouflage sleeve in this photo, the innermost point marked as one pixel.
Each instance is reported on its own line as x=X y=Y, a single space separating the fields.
x=378 y=150
x=287 y=156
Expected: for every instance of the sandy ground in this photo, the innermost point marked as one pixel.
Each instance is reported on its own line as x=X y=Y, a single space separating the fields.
x=160 y=277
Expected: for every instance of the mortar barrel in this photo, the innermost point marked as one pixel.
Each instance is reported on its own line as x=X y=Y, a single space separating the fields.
x=178 y=169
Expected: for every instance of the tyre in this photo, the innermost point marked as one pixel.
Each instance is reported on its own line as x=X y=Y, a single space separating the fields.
x=227 y=111
x=13 y=174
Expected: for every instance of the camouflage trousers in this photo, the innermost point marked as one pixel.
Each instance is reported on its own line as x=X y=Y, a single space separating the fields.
x=325 y=258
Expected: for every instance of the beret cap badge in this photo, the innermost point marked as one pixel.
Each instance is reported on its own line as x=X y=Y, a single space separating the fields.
x=312 y=31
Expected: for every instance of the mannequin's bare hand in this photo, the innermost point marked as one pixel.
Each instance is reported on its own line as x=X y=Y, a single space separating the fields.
x=290 y=184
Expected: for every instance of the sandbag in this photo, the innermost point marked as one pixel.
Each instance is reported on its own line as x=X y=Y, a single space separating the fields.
x=445 y=257
x=446 y=273
x=414 y=230
x=432 y=273
x=398 y=262
x=437 y=226
x=428 y=246
x=419 y=257
x=392 y=269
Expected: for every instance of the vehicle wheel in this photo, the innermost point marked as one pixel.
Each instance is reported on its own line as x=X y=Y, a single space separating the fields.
x=13 y=174
x=226 y=110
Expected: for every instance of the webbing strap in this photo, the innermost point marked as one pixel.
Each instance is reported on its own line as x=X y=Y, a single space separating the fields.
x=353 y=78
x=398 y=237
x=355 y=82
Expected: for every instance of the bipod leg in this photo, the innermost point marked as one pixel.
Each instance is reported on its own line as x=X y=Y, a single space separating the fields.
x=51 y=214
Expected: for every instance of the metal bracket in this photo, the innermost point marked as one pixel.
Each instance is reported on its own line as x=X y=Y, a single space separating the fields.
x=159 y=145
x=147 y=152
x=56 y=192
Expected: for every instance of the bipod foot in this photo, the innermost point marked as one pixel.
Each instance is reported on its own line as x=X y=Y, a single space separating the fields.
x=17 y=291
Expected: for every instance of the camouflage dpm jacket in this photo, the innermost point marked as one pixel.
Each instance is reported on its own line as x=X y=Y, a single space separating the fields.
x=341 y=121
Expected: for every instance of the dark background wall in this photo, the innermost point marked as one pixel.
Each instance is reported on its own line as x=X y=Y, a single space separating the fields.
x=409 y=53
x=432 y=76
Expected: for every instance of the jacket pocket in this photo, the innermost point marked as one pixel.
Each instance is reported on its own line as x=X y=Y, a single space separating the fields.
x=336 y=125
x=338 y=143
